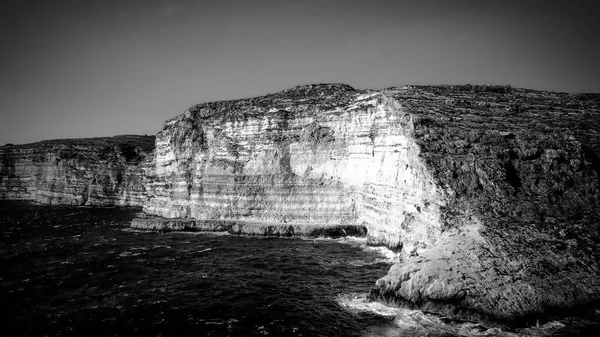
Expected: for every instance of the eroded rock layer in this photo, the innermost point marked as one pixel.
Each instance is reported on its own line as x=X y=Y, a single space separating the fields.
x=492 y=193
x=95 y=171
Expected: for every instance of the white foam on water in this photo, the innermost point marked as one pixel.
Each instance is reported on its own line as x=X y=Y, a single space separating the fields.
x=354 y=239
x=198 y=233
x=408 y=322
x=161 y=246
x=343 y=239
x=361 y=263
x=133 y=230
x=359 y=303
x=389 y=255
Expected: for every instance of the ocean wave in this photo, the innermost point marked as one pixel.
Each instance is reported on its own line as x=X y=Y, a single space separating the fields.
x=200 y=233
x=343 y=239
x=132 y=230
x=408 y=322
x=129 y=253
x=359 y=303
x=389 y=255
x=142 y=231
x=361 y=263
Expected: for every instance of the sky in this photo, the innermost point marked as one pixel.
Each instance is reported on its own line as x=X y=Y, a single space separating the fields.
x=91 y=68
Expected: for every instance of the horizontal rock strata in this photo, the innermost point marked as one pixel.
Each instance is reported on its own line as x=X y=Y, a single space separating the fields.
x=491 y=193
x=95 y=171
x=321 y=155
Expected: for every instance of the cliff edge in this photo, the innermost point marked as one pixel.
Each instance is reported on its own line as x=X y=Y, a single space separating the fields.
x=491 y=193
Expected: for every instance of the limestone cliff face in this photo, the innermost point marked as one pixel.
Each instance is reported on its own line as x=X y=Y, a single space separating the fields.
x=323 y=155
x=492 y=193
x=95 y=171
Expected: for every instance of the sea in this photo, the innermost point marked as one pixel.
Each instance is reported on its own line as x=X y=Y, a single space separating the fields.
x=81 y=271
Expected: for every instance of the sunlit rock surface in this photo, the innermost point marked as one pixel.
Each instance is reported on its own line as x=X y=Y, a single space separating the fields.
x=95 y=171
x=324 y=155
x=491 y=193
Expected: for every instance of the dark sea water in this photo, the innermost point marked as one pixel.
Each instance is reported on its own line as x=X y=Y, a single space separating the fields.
x=82 y=271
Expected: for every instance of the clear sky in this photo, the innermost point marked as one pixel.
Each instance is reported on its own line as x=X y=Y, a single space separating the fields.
x=87 y=68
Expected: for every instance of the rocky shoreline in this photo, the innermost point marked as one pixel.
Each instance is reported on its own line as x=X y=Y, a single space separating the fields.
x=238 y=227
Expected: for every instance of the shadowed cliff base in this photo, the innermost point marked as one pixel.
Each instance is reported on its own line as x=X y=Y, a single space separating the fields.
x=239 y=227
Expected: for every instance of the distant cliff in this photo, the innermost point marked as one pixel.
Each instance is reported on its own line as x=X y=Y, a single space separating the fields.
x=492 y=193
x=95 y=171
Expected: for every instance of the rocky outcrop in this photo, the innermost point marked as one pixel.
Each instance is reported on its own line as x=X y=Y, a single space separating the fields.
x=94 y=171
x=521 y=227
x=491 y=193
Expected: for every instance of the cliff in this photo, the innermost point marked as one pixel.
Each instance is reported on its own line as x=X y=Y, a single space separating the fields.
x=324 y=155
x=491 y=193
x=95 y=171
x=521 y=175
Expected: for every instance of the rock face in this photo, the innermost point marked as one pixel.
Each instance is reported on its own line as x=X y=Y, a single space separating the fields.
x=491 y=193
x=324 y=155
x=95 y=171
